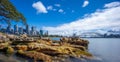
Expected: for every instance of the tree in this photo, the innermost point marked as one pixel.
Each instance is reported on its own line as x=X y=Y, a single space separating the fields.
x=8 y=13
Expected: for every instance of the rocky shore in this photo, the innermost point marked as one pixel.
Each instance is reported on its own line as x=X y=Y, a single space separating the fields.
x=45 y=49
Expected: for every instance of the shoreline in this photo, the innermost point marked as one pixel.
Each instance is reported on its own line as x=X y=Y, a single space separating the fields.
x=48 y=49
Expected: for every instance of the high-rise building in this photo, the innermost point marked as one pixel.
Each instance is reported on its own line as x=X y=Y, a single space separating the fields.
x=15 y=29
x=27 y=29
x=20 y=30
x=12 y=31
x=46 y=33
x=33 y=30
x=8 y=30
x=41 y=32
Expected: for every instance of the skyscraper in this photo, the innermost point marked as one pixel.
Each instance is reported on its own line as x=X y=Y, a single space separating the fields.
x=46 y=33
x=15 y=29
x=20 y=30
x=41 y=32
x=8 y=29
x=27 y=29
x=33 y=30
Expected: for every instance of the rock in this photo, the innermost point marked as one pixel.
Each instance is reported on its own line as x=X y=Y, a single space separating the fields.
x=75 y=41
x=9 y=50
x=3 y=45
x=36 y=55
x=21 y=47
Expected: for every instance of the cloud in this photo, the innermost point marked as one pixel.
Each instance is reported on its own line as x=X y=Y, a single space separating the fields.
x=57 y=5
x=104 y=19
x=39 y=7
x=50 y=8
x=114 y=4
x=61 y=10
x=86 y=2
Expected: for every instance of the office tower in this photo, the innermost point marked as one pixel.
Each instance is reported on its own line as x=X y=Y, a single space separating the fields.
x=33 y=30
x=46 y=33
x=8 y=30
x=15 y=29
x=20 y=30
x=0 y=27
x=12 y=31
x=27 y=29
x=41 y=32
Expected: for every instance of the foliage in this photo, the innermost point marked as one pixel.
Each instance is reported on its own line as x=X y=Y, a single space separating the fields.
x=8 y=12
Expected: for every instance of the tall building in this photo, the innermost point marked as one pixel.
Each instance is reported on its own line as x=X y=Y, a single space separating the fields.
x=8 y=30
x=15 y=29
x=33 y=30
x=20 y=30
x=46 y=33
x=12 y=31
x=41 y=32
x=27 y=29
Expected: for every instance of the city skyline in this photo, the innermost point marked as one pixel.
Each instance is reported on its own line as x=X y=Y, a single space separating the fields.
x=20 y=30
x=61 y=17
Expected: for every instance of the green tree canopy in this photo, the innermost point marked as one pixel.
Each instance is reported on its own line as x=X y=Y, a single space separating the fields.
x=8 y=12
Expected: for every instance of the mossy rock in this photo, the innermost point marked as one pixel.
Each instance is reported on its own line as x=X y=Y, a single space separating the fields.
x=34 y=55
x=80 y=52
x=9 y=50
x=22 y=47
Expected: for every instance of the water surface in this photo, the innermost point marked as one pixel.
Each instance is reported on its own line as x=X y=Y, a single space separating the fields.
x=107 y=49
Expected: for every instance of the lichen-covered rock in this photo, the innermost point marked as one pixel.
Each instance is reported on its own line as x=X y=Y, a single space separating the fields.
x=3 y=45
x=35 y=55
x=75 y=41
x=21 y=47
x=9 y=50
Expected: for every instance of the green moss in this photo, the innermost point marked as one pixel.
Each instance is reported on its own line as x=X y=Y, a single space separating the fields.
x=20 y=52
x=80 y=52
x=9 y=50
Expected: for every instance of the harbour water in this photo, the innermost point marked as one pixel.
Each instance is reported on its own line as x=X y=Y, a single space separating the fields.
x=106 y=49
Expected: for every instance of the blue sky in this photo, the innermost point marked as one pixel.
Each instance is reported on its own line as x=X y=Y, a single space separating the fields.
x=61 y=16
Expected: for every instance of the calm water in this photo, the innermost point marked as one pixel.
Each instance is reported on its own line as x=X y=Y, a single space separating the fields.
x=107 y=49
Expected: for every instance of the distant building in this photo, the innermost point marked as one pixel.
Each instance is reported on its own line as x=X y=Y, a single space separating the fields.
x=16 y=29
x=41 y=32
x=8 y=30
x=46 y=33
x=33 y=30
x=20 y=30
x=27 y=29
x=12 y=31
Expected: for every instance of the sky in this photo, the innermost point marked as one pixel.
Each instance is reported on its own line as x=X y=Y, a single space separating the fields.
x=65 y=17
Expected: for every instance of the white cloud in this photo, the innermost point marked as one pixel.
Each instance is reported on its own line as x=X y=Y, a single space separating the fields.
x=108 y=18
x=54 y=9
x=57 y=5
x=86 y=2
x=114 y=4
x=39 y=7
x=61 y=10
x=50 y=8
